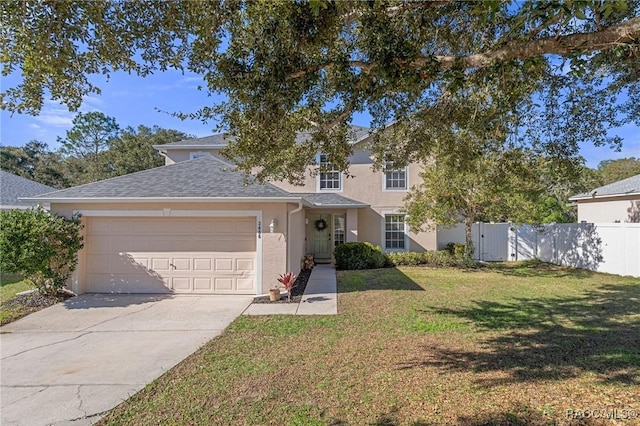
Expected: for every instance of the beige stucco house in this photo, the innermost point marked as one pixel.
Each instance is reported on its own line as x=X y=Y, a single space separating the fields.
x=616 y=202
x=198 y=225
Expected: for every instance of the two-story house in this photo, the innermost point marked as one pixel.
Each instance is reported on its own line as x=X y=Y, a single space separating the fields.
x=198 y=225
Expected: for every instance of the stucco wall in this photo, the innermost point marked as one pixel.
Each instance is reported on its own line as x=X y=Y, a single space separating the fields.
x=177 y=155
x=296 y=239
x=274 y=253
x=608 y=210
x=367 y=186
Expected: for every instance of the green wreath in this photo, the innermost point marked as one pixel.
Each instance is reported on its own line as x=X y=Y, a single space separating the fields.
x=321 y=224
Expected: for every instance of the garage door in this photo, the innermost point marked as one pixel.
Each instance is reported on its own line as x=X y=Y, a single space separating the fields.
x=179 y=255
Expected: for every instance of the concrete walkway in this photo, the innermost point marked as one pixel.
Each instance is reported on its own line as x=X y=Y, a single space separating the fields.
x=319 y=297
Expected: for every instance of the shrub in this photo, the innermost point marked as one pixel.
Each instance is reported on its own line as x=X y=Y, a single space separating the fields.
x=359 y=256
x=440 y=258
x=456 y=249
x=40 y=246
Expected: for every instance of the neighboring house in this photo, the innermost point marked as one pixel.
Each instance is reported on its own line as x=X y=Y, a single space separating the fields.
x=616 y=202
x=13 y=188
x=198 y=225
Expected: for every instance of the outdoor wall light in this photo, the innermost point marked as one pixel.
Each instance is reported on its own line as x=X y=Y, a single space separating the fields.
x=272 y=225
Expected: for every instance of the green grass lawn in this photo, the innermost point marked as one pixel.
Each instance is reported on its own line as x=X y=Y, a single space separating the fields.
x=10 y=285
x=513 y=344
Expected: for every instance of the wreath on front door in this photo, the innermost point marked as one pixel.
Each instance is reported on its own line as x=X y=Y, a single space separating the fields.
x=321 y=224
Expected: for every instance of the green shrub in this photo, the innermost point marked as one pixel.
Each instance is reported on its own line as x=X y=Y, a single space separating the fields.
x=359 y=256
x=456 y=249
x=440 y=258
x=410 y=258
x=40 y=246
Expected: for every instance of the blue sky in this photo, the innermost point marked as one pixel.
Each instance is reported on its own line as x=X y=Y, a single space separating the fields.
x=133 y=101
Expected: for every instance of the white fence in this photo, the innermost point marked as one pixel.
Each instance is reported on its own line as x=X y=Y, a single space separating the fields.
x=604 y=247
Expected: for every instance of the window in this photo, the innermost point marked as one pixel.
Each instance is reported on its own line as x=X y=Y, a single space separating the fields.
x=395 y=179
x=330 y=179
x=194 y=155
x=394 y=235
x=338 y=229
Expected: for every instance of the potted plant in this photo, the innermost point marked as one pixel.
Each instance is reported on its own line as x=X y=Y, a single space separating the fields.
x=288 y=280
x=307 y=261
x=274 y=294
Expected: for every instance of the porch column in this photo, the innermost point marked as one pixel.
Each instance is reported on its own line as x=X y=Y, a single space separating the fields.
x=352 y=225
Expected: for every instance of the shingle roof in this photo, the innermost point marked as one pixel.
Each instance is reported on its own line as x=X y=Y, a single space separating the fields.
x=626 y=186
x=205 y=177
x=213 y=140
x=220 y=140
x=331 y=200
x=13 y=187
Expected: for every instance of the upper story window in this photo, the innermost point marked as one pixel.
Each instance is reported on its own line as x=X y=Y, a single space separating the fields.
x=329 y=179
x=194 y=155
x=395 y=179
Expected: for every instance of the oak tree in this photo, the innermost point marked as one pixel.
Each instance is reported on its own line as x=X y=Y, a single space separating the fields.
x=286 y=67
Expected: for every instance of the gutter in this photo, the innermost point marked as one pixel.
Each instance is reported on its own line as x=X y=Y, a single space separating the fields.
x=172 y=147
x=101 y=200
x=599 y=197
x=291 y=213
x=339 y=206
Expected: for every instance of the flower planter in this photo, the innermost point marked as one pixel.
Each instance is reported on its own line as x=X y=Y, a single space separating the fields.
x=274 y=294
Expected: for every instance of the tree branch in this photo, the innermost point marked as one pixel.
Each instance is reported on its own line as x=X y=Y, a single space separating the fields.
x=609 y=37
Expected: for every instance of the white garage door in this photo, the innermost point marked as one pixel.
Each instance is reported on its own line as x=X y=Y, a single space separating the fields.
x=179 y=255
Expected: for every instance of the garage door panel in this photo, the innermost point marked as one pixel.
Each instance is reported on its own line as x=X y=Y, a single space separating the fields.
x=223 y=284
x=202 y=284
x=182 y=255
x=181 y=283
x=202 y=265
x=246 y=284
x=181 y=264
x=245 y=264
x=223 y=265
x=160 y=264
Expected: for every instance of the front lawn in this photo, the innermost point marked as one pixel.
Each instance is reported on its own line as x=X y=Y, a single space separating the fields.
x=10 y=285
x=512 y=344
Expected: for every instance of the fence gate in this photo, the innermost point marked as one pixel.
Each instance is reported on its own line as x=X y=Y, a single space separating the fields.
x=489 y=241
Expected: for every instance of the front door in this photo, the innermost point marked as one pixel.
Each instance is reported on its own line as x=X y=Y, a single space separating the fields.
x=321 y=236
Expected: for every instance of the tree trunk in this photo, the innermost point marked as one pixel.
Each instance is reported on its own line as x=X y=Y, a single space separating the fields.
x=468 y=240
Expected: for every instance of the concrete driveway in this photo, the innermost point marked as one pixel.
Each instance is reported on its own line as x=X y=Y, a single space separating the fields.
x=70 y=363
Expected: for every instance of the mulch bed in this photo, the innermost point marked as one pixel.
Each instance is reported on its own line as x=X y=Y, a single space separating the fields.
x=35 y=300
x=24 y=304
x=296 y=292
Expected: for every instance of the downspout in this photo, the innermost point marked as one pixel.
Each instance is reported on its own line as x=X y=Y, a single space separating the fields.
x=291 y=213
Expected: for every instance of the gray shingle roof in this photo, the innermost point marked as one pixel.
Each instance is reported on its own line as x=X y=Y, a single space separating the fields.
x=626 y=186
x=213 y=140
x=331 y=200
x=205 y=177
x=13 y=187
x=358 y=134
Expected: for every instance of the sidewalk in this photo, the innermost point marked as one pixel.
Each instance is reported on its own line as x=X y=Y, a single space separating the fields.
x=319 y=297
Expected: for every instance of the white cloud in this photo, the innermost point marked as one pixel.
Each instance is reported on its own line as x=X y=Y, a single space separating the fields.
x=56 y=117
x=91 y=103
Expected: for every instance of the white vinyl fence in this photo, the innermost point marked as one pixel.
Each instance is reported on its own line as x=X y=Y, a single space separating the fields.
x=604 y=247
